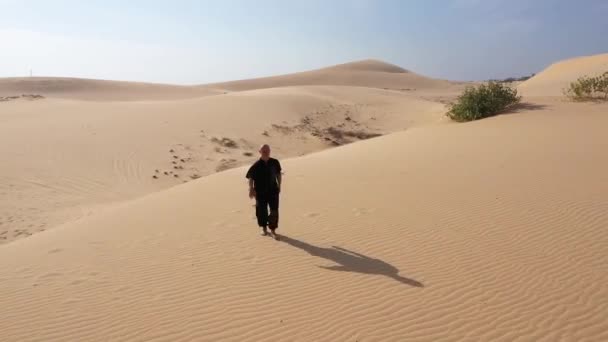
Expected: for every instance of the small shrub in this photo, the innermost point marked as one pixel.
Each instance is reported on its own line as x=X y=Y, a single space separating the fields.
x=483 y=101
x=588 y=88
x=601 y=85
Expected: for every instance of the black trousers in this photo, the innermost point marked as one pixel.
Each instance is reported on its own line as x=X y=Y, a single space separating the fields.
x=264 y=201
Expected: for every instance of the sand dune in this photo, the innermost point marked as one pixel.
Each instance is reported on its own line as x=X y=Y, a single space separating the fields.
x=65 y=159
x=99 y=90
x=486 y=231
x=367 y=73
x=552 y=81
x=491 y=231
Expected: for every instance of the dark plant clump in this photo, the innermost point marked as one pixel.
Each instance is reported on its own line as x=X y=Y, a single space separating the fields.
x=483 y=101
x=514 y=79
x=340 y=134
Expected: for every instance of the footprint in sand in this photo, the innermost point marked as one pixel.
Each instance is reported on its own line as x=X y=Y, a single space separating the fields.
x=251 y=258
x=50 y=275
x=361 y=211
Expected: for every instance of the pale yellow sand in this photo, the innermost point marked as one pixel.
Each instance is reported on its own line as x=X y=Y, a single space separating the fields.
x=65 y=158
x=491 y=231
x=99 y=90
x=367 y=73
x=553 y=80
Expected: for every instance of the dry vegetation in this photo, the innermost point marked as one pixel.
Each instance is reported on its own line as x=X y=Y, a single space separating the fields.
x=23 y=96
x=588 y=88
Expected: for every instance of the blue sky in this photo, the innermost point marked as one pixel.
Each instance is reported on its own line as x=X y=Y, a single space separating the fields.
x=190 y=42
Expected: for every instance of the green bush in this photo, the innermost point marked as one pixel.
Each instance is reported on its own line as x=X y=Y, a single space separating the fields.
x=483 y=101
x=588 y=88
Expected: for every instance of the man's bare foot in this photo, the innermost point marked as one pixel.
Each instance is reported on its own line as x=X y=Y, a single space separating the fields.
x=274 y=235
x=264 y=231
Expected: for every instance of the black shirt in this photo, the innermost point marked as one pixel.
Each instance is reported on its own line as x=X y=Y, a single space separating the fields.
x=264 y=175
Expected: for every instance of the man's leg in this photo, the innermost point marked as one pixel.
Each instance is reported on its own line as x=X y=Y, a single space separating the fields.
x=261 y=211
x=273 y=219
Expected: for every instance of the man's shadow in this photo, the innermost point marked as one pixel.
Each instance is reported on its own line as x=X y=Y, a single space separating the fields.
x=349 y=261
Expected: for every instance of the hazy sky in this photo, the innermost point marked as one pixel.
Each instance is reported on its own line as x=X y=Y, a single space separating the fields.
x=205 y=41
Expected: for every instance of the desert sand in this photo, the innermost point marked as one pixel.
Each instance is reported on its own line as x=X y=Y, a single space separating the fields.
x=553 y=80
x=436 y=231
x=71 y=155
x=99 y=90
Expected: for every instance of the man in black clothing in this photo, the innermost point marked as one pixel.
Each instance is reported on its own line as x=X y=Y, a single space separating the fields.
x=265 y=185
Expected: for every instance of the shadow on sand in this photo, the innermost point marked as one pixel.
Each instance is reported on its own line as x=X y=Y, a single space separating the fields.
x=523 y=107
x=349 y=261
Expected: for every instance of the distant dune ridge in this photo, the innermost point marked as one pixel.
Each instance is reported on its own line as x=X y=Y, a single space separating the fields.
x=100 y=90
x=116 y=224
x=367 y=73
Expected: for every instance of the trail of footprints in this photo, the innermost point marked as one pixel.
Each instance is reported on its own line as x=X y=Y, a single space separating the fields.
x=177 y=163
x=181 y=159
x=7 y=235
x=347 y=131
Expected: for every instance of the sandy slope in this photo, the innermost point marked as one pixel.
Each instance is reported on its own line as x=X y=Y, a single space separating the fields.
x=491 y=231
x=99 y=90
x=64 y=159
x=367 y=73
x=552 y=81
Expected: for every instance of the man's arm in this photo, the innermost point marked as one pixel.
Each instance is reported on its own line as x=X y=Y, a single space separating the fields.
x=279 y=174
x=250 y=177
x=251 y=188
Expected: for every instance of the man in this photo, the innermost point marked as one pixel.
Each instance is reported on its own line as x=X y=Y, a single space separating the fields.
x=265 y=185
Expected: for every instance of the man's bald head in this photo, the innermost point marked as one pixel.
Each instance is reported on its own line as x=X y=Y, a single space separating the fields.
x=265 y=152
